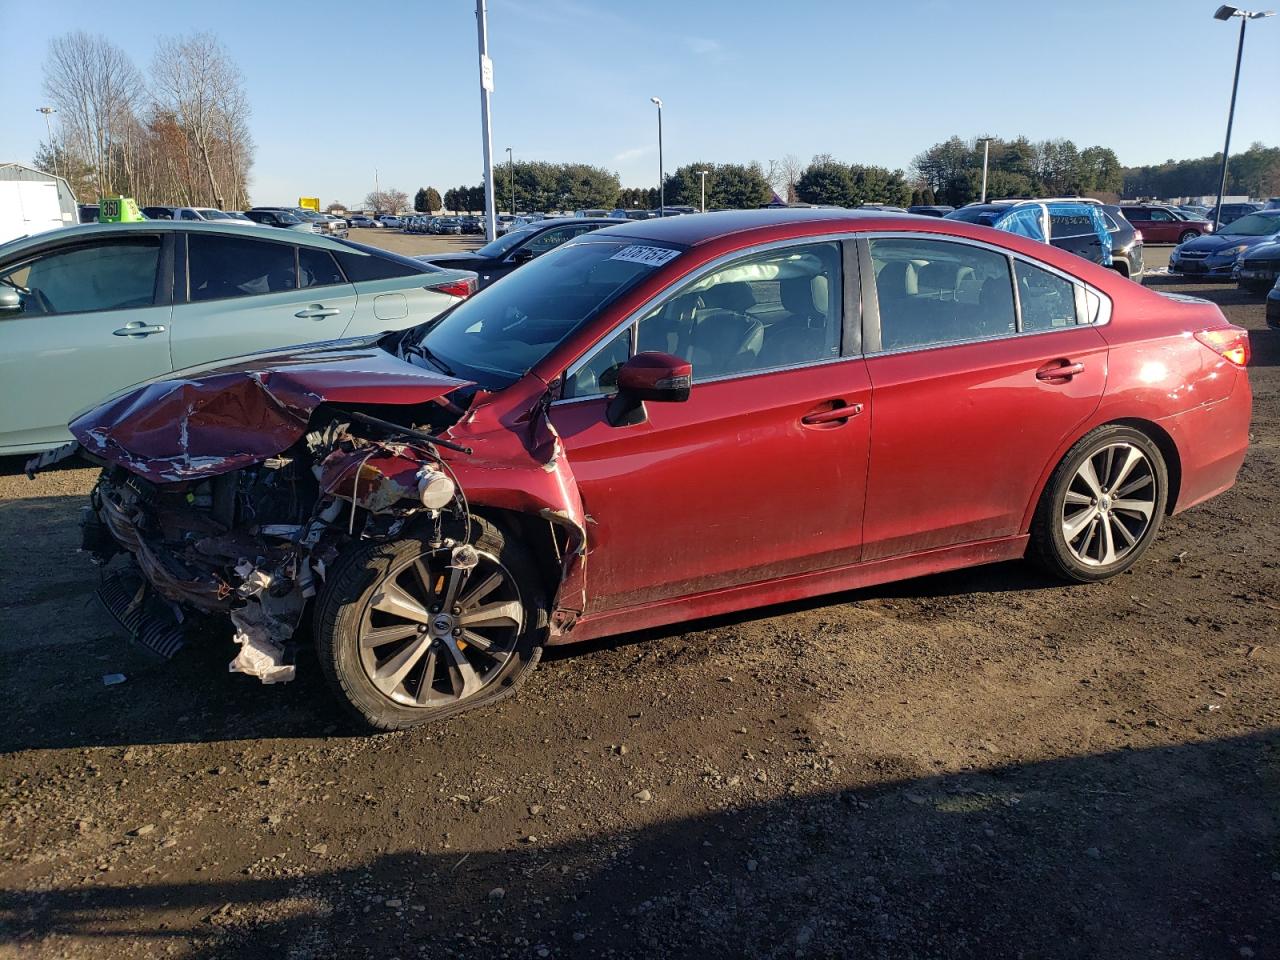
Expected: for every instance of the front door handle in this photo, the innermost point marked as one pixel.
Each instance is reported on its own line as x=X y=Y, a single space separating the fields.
x=139 y=329
x=317 y=311
x=833 y=415
x=1059 y=370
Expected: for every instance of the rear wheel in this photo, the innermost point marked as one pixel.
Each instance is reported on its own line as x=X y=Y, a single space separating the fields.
x=1102 y=507
x=1187 y=236
x=407 y=633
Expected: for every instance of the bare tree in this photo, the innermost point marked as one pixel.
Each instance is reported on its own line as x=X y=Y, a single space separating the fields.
x=390 y=200
x=96 y=89
x=197 y=82
x=790 y=169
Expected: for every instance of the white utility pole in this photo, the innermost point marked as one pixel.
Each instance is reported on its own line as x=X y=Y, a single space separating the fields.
x=986 y=155
x=49 y=134
x=486 y=88
x=703 y=175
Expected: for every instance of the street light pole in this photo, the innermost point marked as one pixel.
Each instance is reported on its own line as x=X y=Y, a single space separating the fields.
x=1225 y=13
x=662 y=183
x=511 y=179
x=486 y=88
x=703 y=175
x=49 y=134
x=986 y=155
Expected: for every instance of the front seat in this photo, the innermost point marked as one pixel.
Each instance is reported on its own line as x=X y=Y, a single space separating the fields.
x=800 y=337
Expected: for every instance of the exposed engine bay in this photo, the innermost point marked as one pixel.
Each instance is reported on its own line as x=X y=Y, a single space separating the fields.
x=255 y=543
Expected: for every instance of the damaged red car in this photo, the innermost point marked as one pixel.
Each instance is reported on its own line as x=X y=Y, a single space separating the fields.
x=659 y=421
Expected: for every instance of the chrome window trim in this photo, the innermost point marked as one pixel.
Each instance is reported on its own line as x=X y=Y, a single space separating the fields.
x=1104 y=301
x=711 y=266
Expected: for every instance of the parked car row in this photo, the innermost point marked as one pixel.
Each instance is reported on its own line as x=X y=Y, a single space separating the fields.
x=1243 y=250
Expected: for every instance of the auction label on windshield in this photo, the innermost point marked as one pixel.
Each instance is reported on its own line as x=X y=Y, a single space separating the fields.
x=649 y=256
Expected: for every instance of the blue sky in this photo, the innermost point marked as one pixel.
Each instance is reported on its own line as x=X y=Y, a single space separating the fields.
x=740 y=80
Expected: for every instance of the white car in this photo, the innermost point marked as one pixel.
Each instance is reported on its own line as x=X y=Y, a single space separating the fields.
x=390 y=220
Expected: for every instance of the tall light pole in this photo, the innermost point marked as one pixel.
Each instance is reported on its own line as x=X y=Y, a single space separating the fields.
x=662 y=183
x=47 y=111
x=1225 y=12
x=703 y=175
x=986 y=156
x=486 y=88
x=511 y=179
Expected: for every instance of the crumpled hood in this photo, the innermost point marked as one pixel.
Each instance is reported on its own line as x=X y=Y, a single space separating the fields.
x=220 y=417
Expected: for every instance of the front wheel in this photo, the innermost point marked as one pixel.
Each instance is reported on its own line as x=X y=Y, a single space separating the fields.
x=1102 y=506
x=407 y=633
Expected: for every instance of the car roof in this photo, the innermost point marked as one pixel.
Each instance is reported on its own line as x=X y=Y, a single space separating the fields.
x=691 y=230
x=250 y=231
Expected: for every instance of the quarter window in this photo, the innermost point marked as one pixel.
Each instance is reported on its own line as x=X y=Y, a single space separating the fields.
x=222 y=267
x=934 y=291
x=1048 y=301
x=111 y=275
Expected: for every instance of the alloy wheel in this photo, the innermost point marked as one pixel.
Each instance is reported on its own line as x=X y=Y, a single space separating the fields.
x=433 y=634
x=1109 y=504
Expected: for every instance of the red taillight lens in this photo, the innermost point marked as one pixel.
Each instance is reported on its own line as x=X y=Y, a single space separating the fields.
x=457 y=288
x=1230 y=343
x=1137 y=236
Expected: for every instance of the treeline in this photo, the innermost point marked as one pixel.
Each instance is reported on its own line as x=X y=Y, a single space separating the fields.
x=177 y=134
x=951 y=171
x=1255 y=172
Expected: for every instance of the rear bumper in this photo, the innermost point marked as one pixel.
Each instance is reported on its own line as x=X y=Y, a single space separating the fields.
x=1212 y=440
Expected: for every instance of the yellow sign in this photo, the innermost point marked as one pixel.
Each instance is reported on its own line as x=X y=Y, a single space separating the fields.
x=309 y=203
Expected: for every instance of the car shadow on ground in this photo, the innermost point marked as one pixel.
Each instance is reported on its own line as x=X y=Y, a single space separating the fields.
x=1168 y=851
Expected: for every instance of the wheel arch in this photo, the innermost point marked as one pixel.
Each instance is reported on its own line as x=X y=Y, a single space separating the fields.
x=539 y=536
x=1157 y=434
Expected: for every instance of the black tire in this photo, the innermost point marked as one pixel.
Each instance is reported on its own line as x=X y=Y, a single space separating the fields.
x=343 y=604
x=1187 y=236
x=1049 y=547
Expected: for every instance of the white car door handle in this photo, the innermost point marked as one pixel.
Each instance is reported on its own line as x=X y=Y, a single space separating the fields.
x=318 y=312
x=139 y=329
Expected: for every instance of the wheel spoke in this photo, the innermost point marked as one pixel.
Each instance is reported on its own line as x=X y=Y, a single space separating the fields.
x=1108 y=543
x=1078 y=499
x=426 y=691
x=1131 y=460
x=1134 y=485
x=392 y=672
x=463 y=678
x=1087 y=541
x=378 y=636
x=457 y=577
x=481 y=590
x=506 y=613
x=394 y=599
x=1141 y=507
x=1128 y=538
x=423 y=573
x=1072 y=526
x=1090 y=477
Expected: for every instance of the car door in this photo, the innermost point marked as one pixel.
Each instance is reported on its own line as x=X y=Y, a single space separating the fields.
x=90 y=317
x=245 y=294
x=974 y=390
x=1163 y=227
x=760 y=473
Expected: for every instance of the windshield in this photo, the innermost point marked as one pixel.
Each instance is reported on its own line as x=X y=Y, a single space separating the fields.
x=500 y=247
x=285 y=217
x=498 y=335
x=1254 y=225
x=986 y=217
x=212 y=214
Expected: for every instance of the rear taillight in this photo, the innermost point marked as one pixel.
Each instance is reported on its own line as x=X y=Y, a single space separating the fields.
x=457 y=288
x=1230 y=343
x=1137 y=236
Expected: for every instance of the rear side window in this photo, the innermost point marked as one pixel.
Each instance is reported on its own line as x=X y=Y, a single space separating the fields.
x=359 y=267
x=109 y=275
x=1048 y=301
x=1132 y=214
x=1067 y=225
x=222 y=267
x=316 y=268
x=935 y=291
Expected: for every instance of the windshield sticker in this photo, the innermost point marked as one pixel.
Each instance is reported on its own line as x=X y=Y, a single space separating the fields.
x=649 y=256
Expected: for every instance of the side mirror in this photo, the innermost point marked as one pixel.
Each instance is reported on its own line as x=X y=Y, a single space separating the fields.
x=522 y=256
x=659 y=377
x=10 y=302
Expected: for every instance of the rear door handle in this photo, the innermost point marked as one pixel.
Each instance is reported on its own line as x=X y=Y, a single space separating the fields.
x=833 y=415
x=1059 y=370
x=139 y=329
x=317 y=311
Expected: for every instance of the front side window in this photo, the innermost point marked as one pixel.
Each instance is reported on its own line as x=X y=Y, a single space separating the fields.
x=554 y=238
x=771 y=310
x=935 y=292
x=222 y=267
x=110 y=275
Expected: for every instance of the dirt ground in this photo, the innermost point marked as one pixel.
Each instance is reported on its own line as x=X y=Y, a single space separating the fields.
x=980 y=764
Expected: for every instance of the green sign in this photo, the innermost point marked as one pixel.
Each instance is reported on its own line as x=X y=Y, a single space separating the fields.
x=118 y=210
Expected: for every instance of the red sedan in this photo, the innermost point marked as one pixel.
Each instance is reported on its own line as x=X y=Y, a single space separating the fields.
x=660 y=421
